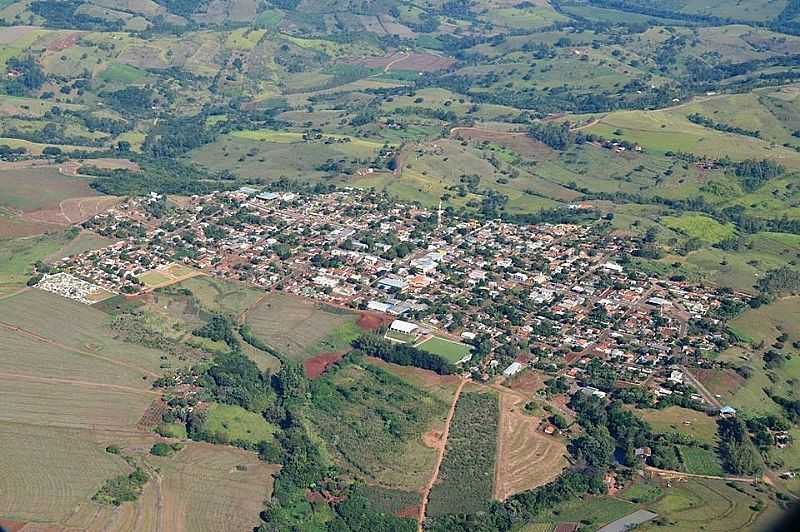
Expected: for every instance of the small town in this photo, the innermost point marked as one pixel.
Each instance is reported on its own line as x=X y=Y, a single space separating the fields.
x=490 y=296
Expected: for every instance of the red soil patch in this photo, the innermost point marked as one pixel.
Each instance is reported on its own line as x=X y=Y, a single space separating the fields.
x=718 y=380
x=528 y=382
x=15 y=228
x=409 y=512
x=432 y=439
x=314 y=367
x=62 y=43
x=371 y=322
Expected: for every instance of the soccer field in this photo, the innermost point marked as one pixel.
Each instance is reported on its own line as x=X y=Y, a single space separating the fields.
x=447 y=349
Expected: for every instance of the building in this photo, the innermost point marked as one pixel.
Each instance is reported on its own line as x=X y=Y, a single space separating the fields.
x=513 y=369
x=404 y=327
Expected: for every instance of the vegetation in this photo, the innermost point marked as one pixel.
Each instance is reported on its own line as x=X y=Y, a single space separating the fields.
x=466 y=475
x=402 y=354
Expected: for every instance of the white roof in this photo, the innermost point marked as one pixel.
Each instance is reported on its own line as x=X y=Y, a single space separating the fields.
x=403 y=326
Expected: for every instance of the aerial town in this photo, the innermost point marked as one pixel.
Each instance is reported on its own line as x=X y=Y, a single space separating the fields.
x=561 y=298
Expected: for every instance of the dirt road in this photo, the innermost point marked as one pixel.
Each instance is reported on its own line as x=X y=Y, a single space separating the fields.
x=442 y=446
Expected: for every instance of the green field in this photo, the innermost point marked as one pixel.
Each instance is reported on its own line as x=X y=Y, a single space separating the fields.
x=699 y=226
x=700 y=461
x=234 y=423
x=447 y=349
x=697 y=425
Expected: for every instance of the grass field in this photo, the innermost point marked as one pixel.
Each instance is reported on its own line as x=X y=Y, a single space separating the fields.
x=699 y=226
x=297 y=328
x=714 y=506
x=216 y=295
x=235 y=423
x=465 y=478
x=447 y=349
x=695 y=424
x=373 y=438
x=766 y=323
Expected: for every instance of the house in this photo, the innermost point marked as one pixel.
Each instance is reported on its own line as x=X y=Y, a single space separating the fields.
x=590 y=390
x=643 y=453
x=392 y=284
x=727 y=411
x=676 y=377
x=550 y=429
x=612 y=266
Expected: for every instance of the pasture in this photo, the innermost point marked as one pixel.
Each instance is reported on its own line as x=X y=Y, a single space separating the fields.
x=714 y=506
x=700 y=461
x=662 y=131
x=692 y=423
x=371 y=438
x=219 y=296
x=699 y=226
x=31 y=189
x=298 y=328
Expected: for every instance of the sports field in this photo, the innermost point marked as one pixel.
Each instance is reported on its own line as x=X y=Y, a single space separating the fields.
x=447 y=349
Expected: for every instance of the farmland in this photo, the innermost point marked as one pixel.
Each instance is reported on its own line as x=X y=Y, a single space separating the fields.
x=526 y=458
x=300 y=329
x=207 y=488
x=374 y=439
x=465 y=480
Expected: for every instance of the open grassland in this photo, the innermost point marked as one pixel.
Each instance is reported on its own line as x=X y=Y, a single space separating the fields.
x=207 y=488
x=391 y=501
x=666 y=130
x=740 y=269
x=18 y=256
x=234 y=423
x=714 y=506
x=766 y=323
x=466 y=476
x=695 y=424
x=49 y=473
x=593 y=512
x=447 y=349
x=526 y=457
x=297 y=328
x=372 y=424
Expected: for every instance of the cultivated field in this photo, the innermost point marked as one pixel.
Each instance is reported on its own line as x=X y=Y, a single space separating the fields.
x=298 y=328
x=207 y=488
x=526 y=457
x=465 y=480
x=216 y=295
x=50 y=473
